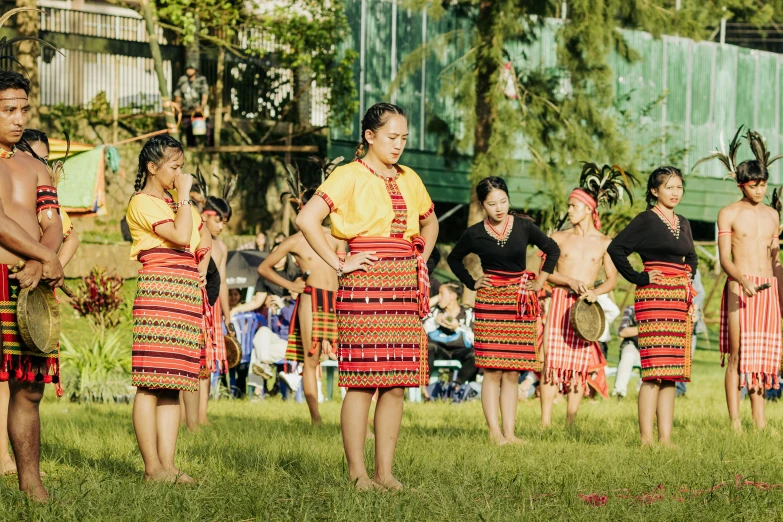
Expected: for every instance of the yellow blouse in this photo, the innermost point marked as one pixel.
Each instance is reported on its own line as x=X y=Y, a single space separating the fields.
x=145 y=212
x=67 y=225
x=364 y=204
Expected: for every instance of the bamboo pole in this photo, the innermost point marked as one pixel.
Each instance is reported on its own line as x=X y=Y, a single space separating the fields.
x=263 y=148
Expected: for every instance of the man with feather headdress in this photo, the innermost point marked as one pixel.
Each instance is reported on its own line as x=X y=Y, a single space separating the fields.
x=569 y=359
x=313 y=330
x=750 y=307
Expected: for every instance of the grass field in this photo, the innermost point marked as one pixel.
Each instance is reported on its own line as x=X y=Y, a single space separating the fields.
x=263 y=461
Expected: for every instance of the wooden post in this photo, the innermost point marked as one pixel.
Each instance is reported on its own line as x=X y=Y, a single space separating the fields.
x=287 y=206
x=28 y=24
x=218 y=118
x=115 y=102
x=148 y=10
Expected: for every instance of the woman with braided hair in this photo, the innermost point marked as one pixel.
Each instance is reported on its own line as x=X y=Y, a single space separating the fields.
x=663 y=300
x=169 y=311
x=384 y=212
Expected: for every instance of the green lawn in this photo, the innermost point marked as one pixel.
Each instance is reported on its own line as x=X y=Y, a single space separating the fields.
x=262 y=461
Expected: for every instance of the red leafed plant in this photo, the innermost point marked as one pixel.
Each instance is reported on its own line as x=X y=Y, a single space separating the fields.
x=99 y=299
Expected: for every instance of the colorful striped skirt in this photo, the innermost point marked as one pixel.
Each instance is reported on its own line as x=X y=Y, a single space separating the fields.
x=760 y=337
x=19 y=362
x=567 y=355
x=382 y=343
x=507 y=327
x=324 y=325
x=665 y=327
x=168 y=321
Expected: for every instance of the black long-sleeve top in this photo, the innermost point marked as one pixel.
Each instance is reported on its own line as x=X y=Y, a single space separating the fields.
x=509 y=258
x=650 y=237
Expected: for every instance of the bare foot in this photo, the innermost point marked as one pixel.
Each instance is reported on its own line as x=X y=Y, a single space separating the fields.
x=669 y=445
x=204 y=422
x=38 y=494
x=498 y=439
x=364 y=483
x=648 y=443
x=173 y=476
x=316 y=421
x=736 y=426
x=515 y=440
x=8 y=466
x=390 y=484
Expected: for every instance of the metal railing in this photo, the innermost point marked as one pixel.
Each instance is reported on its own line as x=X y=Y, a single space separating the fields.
x=117 y=27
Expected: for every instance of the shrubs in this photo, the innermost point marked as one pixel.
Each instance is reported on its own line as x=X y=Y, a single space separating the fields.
x=99 y=299
x=97 y=372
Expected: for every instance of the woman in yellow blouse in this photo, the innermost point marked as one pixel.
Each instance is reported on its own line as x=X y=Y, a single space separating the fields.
x=36 y=143
x=384 y=212
x=168 y=312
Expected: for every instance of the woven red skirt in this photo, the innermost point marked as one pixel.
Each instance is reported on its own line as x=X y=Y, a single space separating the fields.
x=382 y=343
x=760 y=336
x=507 y=327
x=665 y=327
x=568 y=356
x=168 y=321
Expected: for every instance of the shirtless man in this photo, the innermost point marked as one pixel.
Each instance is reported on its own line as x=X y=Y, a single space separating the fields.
x=316 y=318
x=215 y=213
x=35 y=238
x=582 y=254
x=750 y=318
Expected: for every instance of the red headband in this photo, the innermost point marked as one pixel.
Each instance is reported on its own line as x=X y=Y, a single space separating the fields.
x=591 y=203
x=209 y=213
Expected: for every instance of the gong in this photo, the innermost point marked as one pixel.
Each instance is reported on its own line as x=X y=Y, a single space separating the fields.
x=233 y=353
x=588 y=320
x=38 y=316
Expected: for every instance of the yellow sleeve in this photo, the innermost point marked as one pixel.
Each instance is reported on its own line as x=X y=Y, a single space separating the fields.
x=146 y=214
x=337 y=190
x=425 y=205
x=67 y=225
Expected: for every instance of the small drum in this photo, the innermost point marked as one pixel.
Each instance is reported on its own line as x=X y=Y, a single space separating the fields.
x=588 y=320
x=38 y=316
x=233 y=352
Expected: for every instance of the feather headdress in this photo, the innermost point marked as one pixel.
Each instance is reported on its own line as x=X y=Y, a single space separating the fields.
x=201 y=186
x=295 y=188
x=729 y=159
x=608 y=184
x=229 y=186
x=326 y=166
x=759 y=147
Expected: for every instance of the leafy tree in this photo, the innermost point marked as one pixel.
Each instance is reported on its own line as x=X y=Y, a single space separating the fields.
x=561 y=116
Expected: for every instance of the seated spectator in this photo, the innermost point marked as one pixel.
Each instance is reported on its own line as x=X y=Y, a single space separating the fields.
x=258 y=244
x=450 y=330
x=629 y=352
x=285 y=268
x=270 y=342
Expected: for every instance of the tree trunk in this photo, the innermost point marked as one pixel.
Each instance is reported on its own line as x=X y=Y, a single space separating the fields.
x=148 y=11
x=27 y=23
x=486 y=72
x=217 y=118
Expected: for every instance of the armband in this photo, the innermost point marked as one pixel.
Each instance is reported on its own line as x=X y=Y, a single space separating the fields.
x=46 y=200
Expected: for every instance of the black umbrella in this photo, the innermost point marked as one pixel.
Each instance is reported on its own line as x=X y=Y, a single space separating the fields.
x=242 y=267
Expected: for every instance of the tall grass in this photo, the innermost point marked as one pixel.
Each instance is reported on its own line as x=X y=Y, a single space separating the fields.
x=263 y=461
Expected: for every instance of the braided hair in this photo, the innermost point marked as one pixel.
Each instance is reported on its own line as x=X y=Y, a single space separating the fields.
x=375 y=118
x=157 y=150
